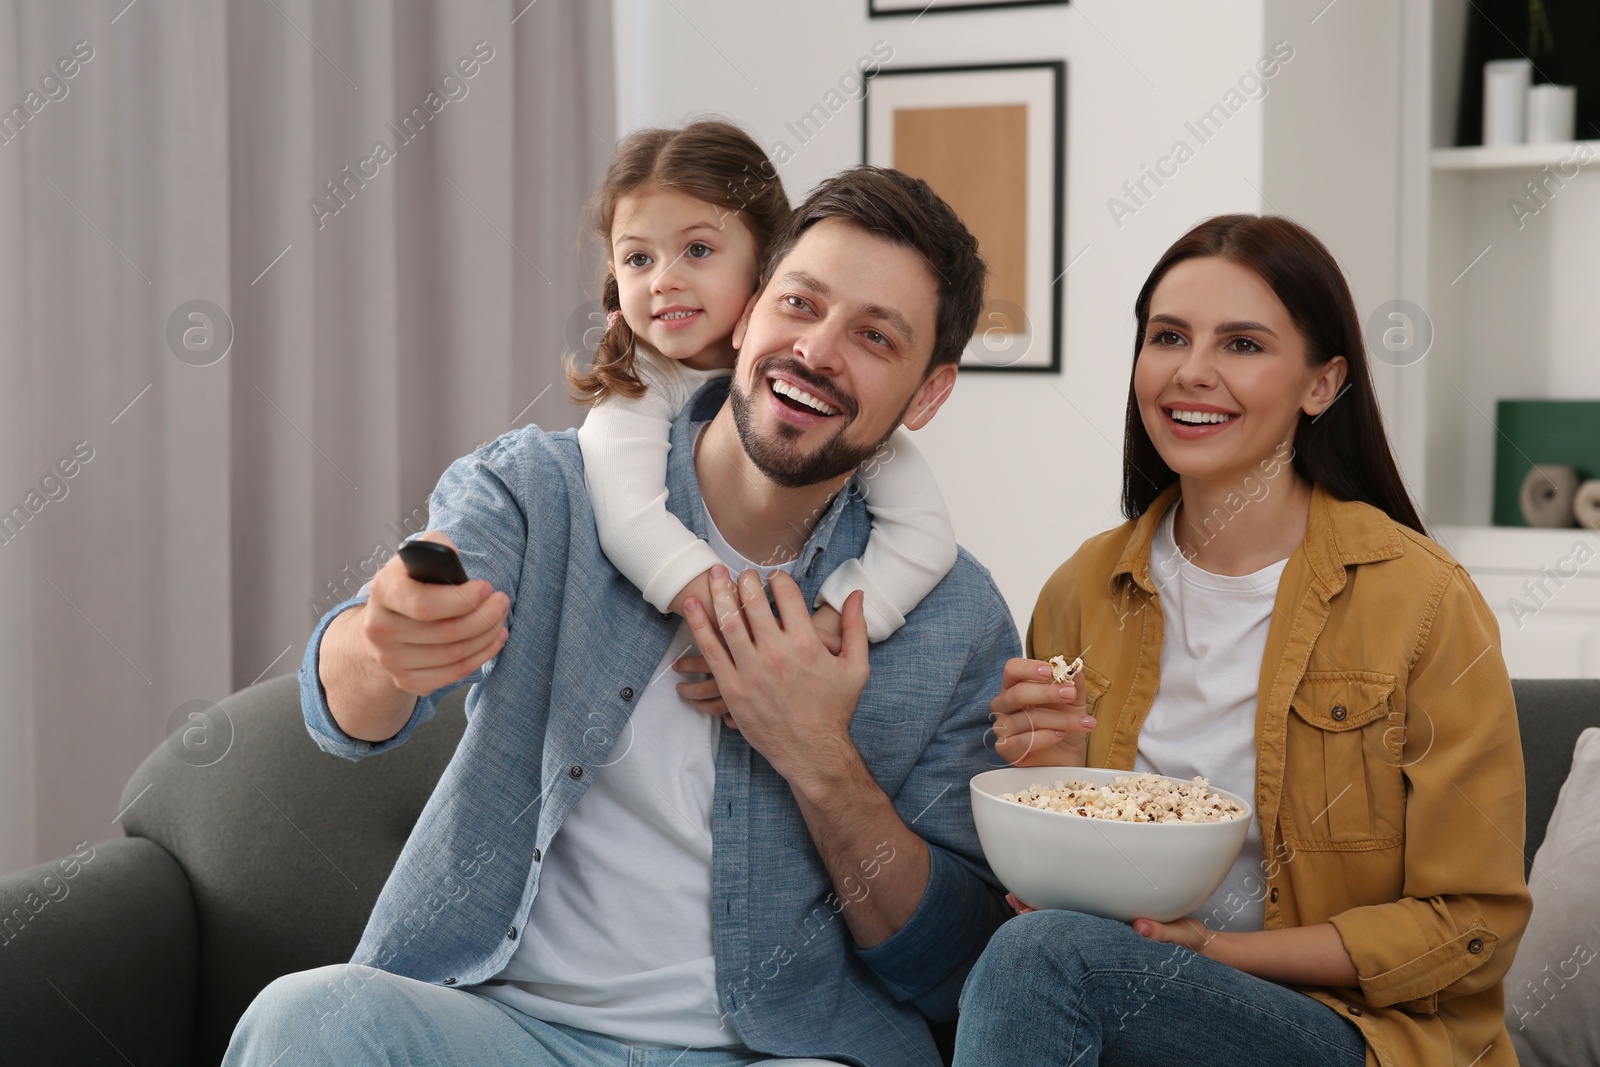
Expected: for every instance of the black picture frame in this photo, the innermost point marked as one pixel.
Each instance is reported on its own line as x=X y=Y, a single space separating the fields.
x=1057 y=97
x=966 y=5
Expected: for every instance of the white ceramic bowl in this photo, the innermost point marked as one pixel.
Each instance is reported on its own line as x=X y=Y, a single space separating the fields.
x=1119 y=870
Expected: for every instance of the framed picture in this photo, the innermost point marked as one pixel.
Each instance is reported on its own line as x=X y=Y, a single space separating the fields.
x=989 y=140
x=882 y=8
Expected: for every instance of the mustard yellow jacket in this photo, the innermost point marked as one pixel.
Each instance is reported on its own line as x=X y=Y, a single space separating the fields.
x=1389 y=778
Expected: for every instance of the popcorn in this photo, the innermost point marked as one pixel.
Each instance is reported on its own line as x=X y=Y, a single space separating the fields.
x=1061 y=671
x=1133 y=798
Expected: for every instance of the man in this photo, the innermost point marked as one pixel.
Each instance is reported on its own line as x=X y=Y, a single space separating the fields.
x=600 y=870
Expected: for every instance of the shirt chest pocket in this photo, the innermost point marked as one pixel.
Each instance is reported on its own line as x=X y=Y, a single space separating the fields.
x=1343 y=789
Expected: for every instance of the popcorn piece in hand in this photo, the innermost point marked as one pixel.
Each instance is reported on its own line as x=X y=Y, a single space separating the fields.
x=1061 y=671
x=1133 y=798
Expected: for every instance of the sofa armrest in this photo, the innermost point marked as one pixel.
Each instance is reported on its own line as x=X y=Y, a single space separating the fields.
x=98 y=956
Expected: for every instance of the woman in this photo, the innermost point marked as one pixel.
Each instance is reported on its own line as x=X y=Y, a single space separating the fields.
x=1273 y=617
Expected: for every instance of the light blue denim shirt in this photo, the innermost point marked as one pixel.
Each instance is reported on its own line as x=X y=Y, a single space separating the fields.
x=542 y=717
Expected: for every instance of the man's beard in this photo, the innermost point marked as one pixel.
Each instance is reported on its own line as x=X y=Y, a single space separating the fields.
x=786 y=467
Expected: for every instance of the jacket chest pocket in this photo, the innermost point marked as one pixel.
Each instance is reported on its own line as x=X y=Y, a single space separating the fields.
x=1343 y=789
x=1095 y=687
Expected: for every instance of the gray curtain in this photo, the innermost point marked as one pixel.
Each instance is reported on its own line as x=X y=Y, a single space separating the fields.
x=179 y=507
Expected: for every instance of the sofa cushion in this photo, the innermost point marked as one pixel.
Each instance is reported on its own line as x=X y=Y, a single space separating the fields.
x=1553 y=987
x=285 y=846
x=97 y=959
x=1551 y=713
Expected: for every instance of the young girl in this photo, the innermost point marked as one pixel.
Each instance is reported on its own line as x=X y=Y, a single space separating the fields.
x=688 y=216
x=1273 y=617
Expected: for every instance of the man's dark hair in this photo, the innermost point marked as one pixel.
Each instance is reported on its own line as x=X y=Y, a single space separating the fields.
x=906 y=211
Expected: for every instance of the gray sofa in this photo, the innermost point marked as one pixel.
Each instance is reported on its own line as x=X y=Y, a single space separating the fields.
x=269 y=860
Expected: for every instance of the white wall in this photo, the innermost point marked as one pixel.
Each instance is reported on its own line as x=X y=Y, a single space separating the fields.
x=1336 y=139
x=1030 y=464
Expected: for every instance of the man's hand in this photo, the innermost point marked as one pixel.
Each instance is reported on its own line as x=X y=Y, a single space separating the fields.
x=703 y=694
x=793 y=700
x=426 y=636
x=790 y=697
x=1038 y=723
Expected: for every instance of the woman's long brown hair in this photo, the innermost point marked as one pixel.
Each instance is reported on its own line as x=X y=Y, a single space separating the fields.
x=1344 y=450
x=711 y=160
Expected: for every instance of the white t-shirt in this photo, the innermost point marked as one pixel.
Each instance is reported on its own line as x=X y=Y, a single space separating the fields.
x=1203 y=719
x=619 y=937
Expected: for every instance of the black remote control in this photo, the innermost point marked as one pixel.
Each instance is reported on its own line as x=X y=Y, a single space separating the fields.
x=429 y=561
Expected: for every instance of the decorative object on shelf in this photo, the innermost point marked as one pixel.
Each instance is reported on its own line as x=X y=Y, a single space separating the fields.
x=880 y=8
x=1539 y=28
x=1586 y=504
x=990 y=140
x=1505 y=100
x=1559 y=38
x=1547 y=495
x=1552 y=114
x=1542 y=434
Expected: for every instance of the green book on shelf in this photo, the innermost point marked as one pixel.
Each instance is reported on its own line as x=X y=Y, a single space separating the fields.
x=1565 y=432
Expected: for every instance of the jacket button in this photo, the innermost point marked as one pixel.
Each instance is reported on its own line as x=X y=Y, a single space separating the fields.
x=449 y=981
x=1339 y=713
x=1273 y=896
x=576 y=771
x=1475 y=946
x=536 y=855
x=1353 y=1010
x=511 y=934
x=627 y=692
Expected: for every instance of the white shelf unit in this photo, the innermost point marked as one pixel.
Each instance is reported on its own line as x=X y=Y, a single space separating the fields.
x=1512 y=280
x=1544 y=588
x=1516 y=157
x=1504 y=246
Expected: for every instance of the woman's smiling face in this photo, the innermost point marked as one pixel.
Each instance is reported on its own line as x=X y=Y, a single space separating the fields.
x=1222 y=375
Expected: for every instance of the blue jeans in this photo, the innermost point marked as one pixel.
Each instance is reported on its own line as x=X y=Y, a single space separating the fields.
x=352 y=1016
x=1072 y=990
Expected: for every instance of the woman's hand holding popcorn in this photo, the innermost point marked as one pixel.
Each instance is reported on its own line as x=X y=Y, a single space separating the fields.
x=1039 y=722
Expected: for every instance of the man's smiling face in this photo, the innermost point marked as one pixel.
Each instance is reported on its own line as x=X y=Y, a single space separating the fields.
x=834 y=353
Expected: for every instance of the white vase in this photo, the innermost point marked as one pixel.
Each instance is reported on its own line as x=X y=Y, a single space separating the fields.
x=1505 y=100
x=1552 y=114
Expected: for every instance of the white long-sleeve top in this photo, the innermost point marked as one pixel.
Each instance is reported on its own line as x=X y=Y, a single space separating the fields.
x=625 y=442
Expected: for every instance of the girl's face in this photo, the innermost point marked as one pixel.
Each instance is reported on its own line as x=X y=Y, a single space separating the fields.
x=1222 y=376
x=684 y=271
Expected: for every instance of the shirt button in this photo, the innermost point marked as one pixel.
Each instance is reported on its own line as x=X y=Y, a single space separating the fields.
x=1353 y=1010
x=576 y=771
x=1475 y=946
x=1273 y=896
x=511 y=934
x=449 y=981
x=1339 y=713
x=627 y=692
x=666 y=616
x=536 y=855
